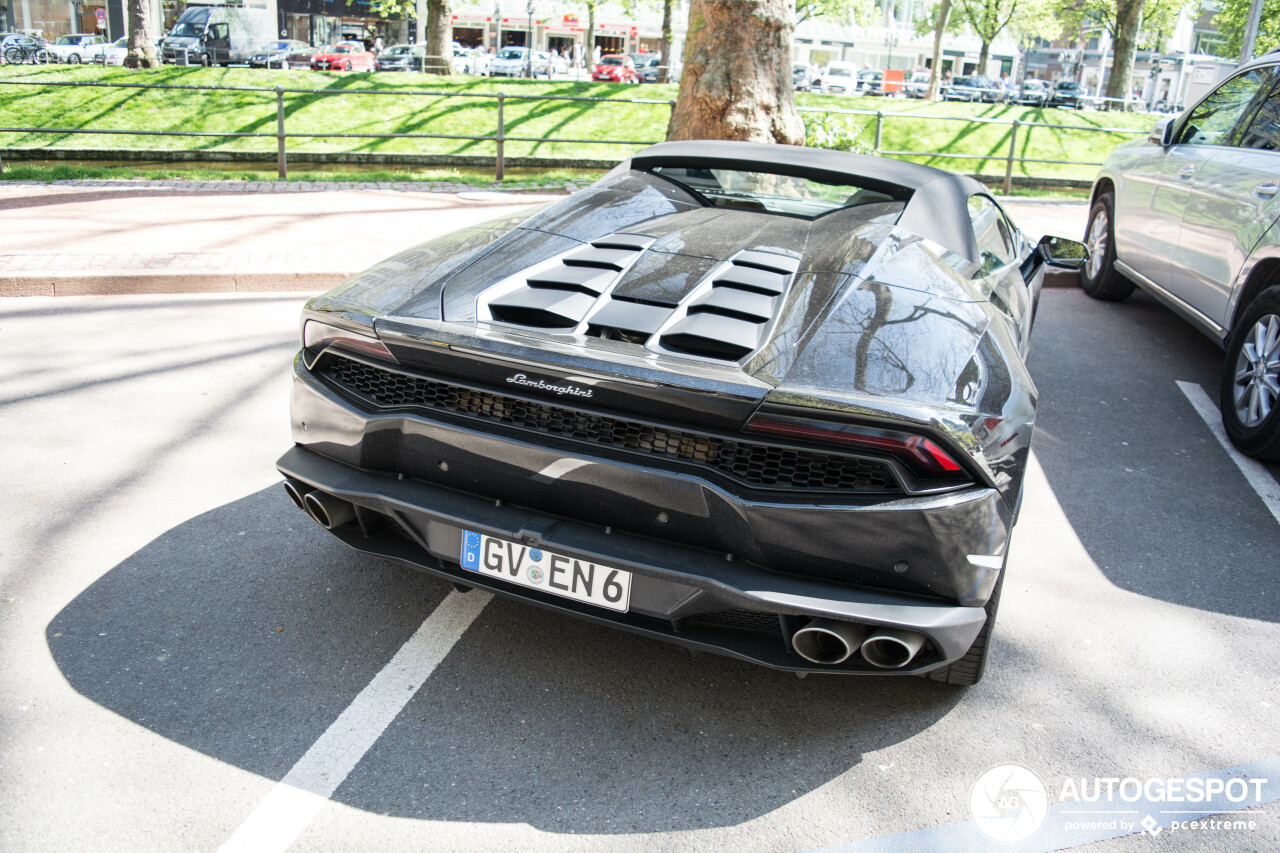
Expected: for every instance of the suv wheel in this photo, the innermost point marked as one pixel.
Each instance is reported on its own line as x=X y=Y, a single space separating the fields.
x=1250 y=397
x=1099 y=277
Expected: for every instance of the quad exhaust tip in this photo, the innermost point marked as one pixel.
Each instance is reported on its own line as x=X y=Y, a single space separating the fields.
x=296 y=493
x=891 y=649
x=827 y=641
x=830 y=642
x=329 y=512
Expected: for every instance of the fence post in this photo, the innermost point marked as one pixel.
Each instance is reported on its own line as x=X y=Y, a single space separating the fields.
x=879 y=130
x=282 y=164
x=502 y=135
x=1008 y=163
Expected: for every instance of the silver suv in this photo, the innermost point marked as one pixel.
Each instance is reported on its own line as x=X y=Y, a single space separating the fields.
x=1190 y=215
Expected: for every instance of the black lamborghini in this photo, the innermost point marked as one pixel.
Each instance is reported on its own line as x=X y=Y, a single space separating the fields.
x=759 y=400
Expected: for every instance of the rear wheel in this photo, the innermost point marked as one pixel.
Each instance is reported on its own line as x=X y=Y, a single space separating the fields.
x=73 y=59
x=347 y=66
x=1250 y=397
x=14 y=56
x=1099 y=277
x=968 y=670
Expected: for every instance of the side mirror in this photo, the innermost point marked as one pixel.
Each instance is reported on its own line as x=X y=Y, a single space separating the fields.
x=1162 y=133
x=1062 y=253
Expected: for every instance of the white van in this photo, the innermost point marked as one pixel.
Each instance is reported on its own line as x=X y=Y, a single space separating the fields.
x=217 y=35
x=840 y=78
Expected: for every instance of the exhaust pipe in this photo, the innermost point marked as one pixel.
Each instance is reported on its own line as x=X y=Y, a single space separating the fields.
x=827 y=641
x=891 y=649
x=296 y=493
x=329 y=512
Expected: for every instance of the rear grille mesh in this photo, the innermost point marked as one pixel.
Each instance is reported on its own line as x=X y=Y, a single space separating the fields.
x=742 y=620
x=750 y=462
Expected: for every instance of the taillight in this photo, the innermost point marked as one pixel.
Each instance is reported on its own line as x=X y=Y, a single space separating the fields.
x=921 y=455
x=316 y=336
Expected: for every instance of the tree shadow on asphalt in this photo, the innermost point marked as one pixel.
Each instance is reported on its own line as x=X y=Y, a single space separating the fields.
x=1151 y=494
x=244 y=632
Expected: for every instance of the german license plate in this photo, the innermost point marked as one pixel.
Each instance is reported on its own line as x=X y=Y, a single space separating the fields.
x=522 y=565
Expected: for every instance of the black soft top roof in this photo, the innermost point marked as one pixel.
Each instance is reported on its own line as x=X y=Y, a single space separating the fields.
x=938 y=209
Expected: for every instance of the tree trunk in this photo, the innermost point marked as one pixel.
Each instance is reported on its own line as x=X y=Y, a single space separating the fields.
x=736 y=82
x=440 y=37
x=983 y=56
x=935 y=70
x=664 y=72
x=1128 y=21
x=589 y=49
x=142 y=47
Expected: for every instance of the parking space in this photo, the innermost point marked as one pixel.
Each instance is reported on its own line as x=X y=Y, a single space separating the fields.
x=179 y=638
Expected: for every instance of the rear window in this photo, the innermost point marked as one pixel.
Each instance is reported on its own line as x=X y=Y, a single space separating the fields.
x=767 y=192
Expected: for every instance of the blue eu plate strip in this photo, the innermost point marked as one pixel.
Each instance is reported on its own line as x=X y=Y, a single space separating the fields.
x=470 y=551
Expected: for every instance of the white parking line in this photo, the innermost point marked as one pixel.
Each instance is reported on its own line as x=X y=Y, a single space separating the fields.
x=291 y=805
x=1257 y=474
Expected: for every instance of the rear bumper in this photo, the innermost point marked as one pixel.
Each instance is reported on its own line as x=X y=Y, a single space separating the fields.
x=926 y=564
x=677 y=594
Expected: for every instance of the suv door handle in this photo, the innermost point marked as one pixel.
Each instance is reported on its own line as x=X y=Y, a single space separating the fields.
x=1187 y=172
x=1267 y=189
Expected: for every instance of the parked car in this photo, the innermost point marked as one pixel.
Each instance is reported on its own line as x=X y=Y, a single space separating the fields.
x=839 y=78
x=971 y=89
x=217 y=35
x=617 y=68
x=917 y=83
x=1068 y=93
x=611 y=409
x=114 y=53
x=403 y=57
x=77 y=48
x=283 y=54
x=800 y=79
x=1032 y=93
x=1192 y=216
x=870 y=82
x=344 y=56
x=517 y=62
x=648 y=66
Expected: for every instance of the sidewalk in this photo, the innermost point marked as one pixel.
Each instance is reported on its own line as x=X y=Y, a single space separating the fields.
x=121 y=237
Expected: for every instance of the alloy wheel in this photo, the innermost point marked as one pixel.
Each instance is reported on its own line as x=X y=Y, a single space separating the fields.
x=1097 y=243
x=1257 y=376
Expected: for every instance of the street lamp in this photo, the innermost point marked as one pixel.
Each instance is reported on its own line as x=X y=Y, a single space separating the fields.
x=528 y=48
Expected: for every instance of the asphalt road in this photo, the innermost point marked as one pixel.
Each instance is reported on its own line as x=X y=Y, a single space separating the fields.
x=177 y=637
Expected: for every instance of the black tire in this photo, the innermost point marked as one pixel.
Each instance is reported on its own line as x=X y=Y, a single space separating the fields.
x=1099 y=276
x=347 y=67
x=1256 y=431
x=968 y=670
x=14 y=56
x=73 y=59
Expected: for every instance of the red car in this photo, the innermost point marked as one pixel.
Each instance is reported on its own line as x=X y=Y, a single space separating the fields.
x=616 y=69
x=344 y=56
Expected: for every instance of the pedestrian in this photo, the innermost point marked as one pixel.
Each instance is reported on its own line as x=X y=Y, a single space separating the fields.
x=377 y=44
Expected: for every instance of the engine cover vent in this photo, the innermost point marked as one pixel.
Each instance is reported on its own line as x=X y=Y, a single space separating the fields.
x=727 y=317
x=558 y=294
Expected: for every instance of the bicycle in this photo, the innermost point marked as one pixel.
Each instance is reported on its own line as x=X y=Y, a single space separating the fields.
x=19 y=54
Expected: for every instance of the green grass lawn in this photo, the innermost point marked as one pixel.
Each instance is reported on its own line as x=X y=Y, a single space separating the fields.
x=337 y=106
